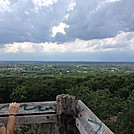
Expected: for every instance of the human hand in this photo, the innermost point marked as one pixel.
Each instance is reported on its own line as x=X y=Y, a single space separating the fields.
x=13 y=108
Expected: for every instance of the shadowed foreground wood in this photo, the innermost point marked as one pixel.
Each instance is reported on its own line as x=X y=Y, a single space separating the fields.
x=48 y=128
x=66 y=114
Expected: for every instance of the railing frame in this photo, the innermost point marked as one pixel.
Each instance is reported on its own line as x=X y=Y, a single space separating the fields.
x=65 y=115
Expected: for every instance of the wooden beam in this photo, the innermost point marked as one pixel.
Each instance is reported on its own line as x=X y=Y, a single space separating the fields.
x=88 y=123
x=31 y=112
x=31 y=119
x=31 y=107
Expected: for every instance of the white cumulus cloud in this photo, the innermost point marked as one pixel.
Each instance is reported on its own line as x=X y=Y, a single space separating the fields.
x=19 y=47
x=59 y=29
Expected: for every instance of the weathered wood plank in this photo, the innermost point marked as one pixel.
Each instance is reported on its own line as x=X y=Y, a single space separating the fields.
x=31 y=107
x=66 y=111
x=31 y=119
x=88 y=123
x=65 y=104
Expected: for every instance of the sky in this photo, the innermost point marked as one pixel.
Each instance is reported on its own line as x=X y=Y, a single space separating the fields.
x=67 y=30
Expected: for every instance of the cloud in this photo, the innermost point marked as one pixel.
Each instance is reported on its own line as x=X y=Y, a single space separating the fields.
x=43 y=3
x=33 y=20
x=59 y=29
x=4 y=5
x=30 y=20
x=25 y=47
x=71 y=6
x=123 y=42
x=100 y=19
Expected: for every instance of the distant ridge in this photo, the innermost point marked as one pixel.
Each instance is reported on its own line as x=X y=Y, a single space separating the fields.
x=63 y=62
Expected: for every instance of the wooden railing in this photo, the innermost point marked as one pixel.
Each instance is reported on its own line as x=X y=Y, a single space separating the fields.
x=66 y=114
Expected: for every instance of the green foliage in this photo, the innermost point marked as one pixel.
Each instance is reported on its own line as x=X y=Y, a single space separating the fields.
x=28 y=129
x=125 y=121
x=7 y=84
x=34 y=89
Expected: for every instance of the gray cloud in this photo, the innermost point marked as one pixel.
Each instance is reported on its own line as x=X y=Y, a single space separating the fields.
x=100 y=19
x=26 y=21
x=90 y=19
